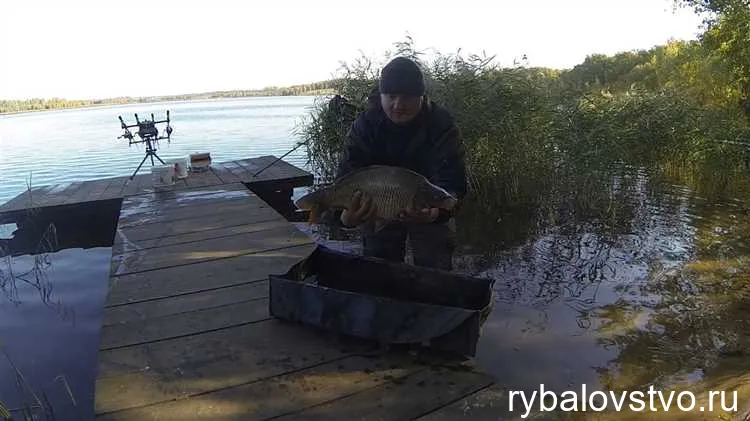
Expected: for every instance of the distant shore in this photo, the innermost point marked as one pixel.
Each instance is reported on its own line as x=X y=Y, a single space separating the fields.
x=8 y=107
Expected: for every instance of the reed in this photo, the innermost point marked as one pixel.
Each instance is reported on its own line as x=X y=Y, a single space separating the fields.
x=544 y=144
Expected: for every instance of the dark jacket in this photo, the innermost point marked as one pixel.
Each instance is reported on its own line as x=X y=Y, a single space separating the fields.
x=429 y=145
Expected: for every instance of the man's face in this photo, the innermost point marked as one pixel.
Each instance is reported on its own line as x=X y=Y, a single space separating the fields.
x=401 y=108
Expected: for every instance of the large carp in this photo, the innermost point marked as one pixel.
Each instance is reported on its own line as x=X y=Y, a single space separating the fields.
x=393 y=190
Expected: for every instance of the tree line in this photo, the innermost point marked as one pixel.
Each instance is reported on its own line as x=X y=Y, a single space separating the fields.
x=41 y=104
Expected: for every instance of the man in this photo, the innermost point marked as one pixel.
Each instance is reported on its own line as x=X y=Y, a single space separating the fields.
x=402 y=127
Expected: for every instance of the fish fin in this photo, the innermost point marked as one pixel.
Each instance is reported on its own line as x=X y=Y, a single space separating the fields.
x=314 y=215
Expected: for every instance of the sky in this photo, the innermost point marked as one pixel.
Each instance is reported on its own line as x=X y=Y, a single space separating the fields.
x=100 y=49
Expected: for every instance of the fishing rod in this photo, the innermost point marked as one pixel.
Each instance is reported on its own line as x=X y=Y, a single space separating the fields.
x=280 y=158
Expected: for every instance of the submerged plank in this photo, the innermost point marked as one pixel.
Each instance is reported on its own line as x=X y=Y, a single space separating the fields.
x=146 y=374
x=212 y=274
x=211 y=249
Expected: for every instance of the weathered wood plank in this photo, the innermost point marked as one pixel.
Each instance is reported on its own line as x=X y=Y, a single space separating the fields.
x=158 y=215
x=218 y=297
x=137 y=184
x=211 y=249
x=194 y=278
x=277 y=396
x=130 y=238
x=148 y=204
x=183 y=324
x=188 y=194
x=236 y=169
x=224 y=173
x=125 y=243
x=94 y=189
x=177 y=368
x=415 y=395
x=73 y=194
x=27 y=199
x=114 y=190
x=490 y=404
x=203 y=178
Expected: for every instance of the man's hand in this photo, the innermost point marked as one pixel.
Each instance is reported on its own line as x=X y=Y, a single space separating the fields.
x=360 y=209
x=422 y=215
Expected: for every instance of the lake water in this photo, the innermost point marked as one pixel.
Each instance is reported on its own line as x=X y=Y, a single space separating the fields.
x=658 y=293
x=74 y=145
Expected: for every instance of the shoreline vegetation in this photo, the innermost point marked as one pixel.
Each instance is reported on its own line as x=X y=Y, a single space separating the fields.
x=567 y=147
x=49 y=104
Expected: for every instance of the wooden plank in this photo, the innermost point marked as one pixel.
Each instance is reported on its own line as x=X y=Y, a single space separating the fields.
x=182 y=367
x=137 y=184
x=279 y=395
x=217 y=297
x=96 y=188
x=183 y=324
x=56 y=195
x=131 y=236
x=33 y=199
x=82 y=194
x=26 y=199
x=125 y=243
x=253 y=165
x=211 y=249
x=179 y=195
x=224 y=174
x=180 y=199
x=417 y=394
x=194 y=278
x=114 y=190
x=489 y=404
x=281 y=174
x=73 y=194
x=156 y=214
x=204 y=178
x=237 y=170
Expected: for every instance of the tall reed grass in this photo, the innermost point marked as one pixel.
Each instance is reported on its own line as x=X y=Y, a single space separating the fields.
x=538 y=144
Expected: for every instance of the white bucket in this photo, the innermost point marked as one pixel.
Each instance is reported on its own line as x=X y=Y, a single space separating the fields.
x=163 y=175
x=180 y=168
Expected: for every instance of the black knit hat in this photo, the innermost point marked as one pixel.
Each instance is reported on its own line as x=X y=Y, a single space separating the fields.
x=402 y=76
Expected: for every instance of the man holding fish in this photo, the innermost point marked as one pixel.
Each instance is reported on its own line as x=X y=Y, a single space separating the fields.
x=402 y=173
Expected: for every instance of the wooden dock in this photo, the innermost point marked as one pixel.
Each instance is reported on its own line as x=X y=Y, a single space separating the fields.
x=186 y=333
x=280 y=178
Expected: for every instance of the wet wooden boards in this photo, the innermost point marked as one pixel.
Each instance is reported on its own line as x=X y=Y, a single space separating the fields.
x=186 y=333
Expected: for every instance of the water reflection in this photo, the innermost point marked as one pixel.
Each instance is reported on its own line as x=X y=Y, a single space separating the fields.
x=655 y=294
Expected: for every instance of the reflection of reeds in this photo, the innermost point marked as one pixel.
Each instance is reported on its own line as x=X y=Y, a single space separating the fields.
x=36 y=276
x=34 y=406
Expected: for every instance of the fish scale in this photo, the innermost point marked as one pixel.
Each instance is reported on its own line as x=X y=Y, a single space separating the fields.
x=392 y=189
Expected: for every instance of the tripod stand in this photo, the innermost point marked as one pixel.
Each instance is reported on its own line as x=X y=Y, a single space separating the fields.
x=150 y=152
x=148 y=134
